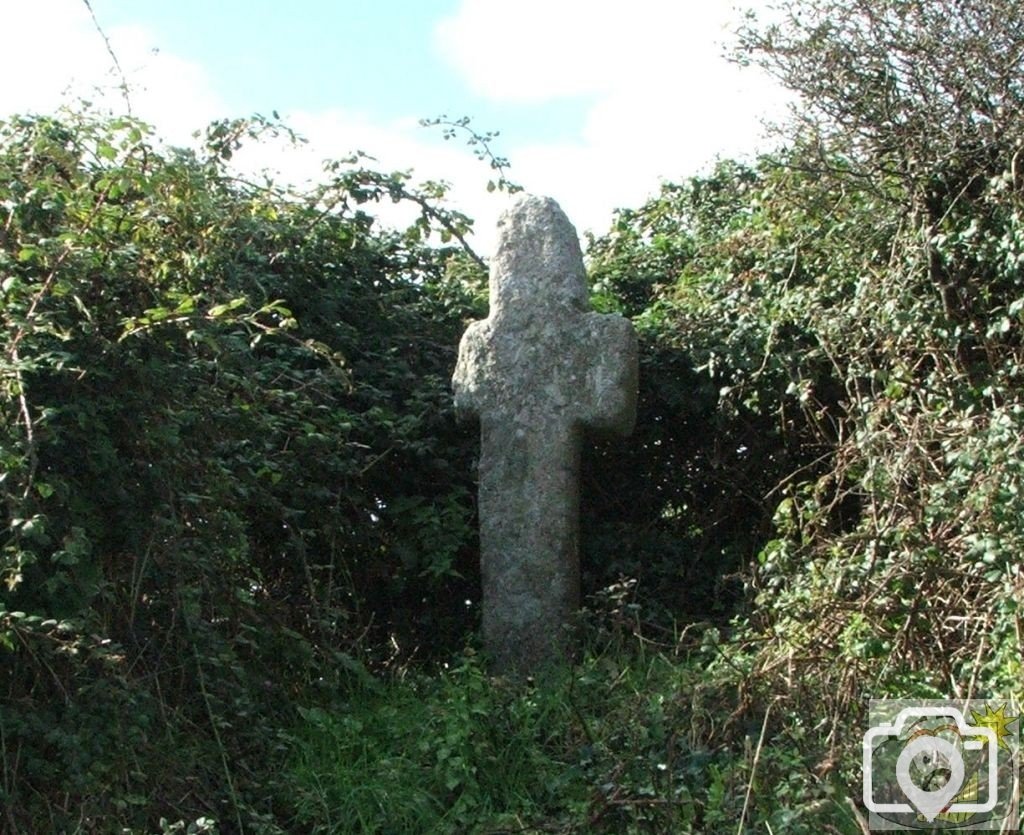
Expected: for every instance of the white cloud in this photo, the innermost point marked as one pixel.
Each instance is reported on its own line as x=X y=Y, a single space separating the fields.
x=532 y=50
x=175 y=95
x=172 y=93
x=665 y=102
x=539 y=50
x=45 y=49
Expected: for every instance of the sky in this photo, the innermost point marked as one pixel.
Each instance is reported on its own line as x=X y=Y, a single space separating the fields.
x=596 y=103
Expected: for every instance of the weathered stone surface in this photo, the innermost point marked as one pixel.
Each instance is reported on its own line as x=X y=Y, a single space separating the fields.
x=537 y=371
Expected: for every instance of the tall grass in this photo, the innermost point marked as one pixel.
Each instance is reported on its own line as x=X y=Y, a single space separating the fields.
x=627 y=741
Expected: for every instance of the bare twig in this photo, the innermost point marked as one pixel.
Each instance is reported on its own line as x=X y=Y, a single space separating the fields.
x=113 y=57
x=753 y=765
x=863 y=824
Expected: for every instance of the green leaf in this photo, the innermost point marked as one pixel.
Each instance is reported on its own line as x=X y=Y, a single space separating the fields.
x=219 y=310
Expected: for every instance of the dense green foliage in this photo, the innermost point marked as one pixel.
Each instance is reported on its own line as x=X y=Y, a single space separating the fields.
x=239 y=570
x=900 y=211
x=857 y=300
x=230 y=469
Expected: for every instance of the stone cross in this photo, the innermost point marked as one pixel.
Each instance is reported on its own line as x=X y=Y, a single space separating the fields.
x=537 y=371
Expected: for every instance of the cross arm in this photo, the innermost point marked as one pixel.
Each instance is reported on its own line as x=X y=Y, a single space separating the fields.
x=612 y=378
x=469 y=378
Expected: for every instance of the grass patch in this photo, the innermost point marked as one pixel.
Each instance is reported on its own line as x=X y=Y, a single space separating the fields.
x=624 y=742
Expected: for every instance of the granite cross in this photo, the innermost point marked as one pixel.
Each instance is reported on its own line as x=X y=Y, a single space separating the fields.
x=537 y=371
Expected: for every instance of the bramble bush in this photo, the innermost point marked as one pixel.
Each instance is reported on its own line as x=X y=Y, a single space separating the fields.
x=230 y=473
x=855 y=299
